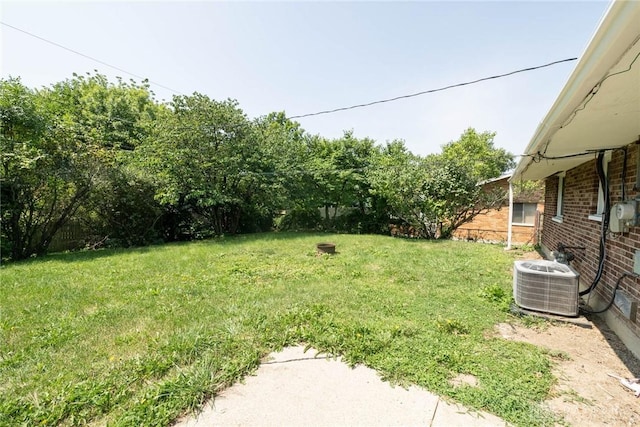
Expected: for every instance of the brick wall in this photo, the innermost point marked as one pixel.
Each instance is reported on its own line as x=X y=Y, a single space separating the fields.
x=492 y=226
x=576 y=229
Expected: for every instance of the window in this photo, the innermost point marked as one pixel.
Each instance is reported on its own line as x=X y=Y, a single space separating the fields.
x=524 y=213
x=560 y=203
x=600 y=206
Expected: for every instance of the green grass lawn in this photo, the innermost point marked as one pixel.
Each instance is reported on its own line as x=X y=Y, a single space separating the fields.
x=139 y=336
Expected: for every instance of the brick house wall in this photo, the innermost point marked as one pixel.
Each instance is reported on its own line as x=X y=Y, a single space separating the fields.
x=492 y=225
x=576 y=229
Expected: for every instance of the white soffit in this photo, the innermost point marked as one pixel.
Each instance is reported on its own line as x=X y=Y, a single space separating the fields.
x=599 y=108
x=610 y=118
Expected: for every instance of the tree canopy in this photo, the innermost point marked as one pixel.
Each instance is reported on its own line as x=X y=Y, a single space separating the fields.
x=108 y=158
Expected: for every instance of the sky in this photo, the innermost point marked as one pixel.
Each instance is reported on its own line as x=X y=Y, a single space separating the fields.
x=305 y=57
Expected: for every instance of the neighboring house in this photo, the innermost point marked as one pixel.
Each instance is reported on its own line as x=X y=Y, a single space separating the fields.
x=493 y=225
x=592 y=130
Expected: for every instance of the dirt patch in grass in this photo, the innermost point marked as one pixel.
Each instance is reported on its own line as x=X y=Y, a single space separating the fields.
x=585 y=394
x=464 y=379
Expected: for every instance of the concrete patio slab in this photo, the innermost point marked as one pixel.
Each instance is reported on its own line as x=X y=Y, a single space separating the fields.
x=297 y=388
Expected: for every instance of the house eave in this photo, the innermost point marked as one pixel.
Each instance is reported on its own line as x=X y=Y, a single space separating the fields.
x=566 y=137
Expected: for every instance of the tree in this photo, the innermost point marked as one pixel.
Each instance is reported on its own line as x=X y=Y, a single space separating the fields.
x=21 y=146
x=456 y=195
x=284 y=150
x=436 y=194
x=46 y=172
x=60 y=146
x=468 y=162
x=476 y=152
x=110 y=120
x=398 y=177
x=338 y=169
x=211 y=167
x=352 y=157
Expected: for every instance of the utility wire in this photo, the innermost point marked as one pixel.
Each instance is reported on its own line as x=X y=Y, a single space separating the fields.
x=587 y=99
x=91 y=58
x=382 y=101
x=368 y=104
x=538 y=157
x=594 y=91
x=319 y=112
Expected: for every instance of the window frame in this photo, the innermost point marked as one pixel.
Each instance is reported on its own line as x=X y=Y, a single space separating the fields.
x=559 y=216
x=597 y=216
x=522 y=223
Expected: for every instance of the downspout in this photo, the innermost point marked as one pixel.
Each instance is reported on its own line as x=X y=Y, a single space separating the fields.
x=509 y=220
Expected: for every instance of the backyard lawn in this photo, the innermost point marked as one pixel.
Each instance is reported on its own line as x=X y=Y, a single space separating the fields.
x=139 y=336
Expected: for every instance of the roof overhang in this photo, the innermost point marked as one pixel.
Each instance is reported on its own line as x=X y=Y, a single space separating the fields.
x=500 y=178
x=599 y=107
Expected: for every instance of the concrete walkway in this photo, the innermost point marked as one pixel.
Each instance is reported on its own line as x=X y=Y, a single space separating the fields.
x=294 y=388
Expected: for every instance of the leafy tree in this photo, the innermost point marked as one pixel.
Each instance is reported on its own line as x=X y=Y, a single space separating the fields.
x=122 y=210
x=462 y=166
x=110 y=121
x=397 y=177
x=211 y=167
x=338 y=172
x=528 y=190
x=61 y=147
x=352 y=159
x=24 y=127
x=436 y=194
x=105 y=114
x=456 y=196
x=46 y=172
x=476 y=152
x=284 y=151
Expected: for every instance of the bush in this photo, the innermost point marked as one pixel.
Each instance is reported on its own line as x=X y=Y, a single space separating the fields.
x=255 y=221
x=124 y=210
x=5 y=247
x=356 y=222
x=300 y=219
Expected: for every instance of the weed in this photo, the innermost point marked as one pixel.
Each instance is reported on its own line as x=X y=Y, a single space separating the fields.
x=494 y=293
x=572 y=396
x=559 y=355
x=535 y=322
x=497 y=295
x=452 y=326
x=527 y=247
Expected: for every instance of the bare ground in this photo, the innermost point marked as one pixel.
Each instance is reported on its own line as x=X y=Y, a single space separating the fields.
x=584 y=355
x=585 y=394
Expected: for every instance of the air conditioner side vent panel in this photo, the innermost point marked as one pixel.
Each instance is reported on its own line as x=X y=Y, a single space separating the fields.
x=546 y=286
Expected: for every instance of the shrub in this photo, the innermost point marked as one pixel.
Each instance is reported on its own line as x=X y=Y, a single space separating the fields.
x=300 y=219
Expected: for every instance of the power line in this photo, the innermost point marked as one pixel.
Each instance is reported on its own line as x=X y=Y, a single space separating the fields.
x=368 y=104
x=91 y=58
x=308 y=114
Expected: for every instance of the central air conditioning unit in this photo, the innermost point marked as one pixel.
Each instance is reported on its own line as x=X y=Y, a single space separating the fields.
x=546 y=286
